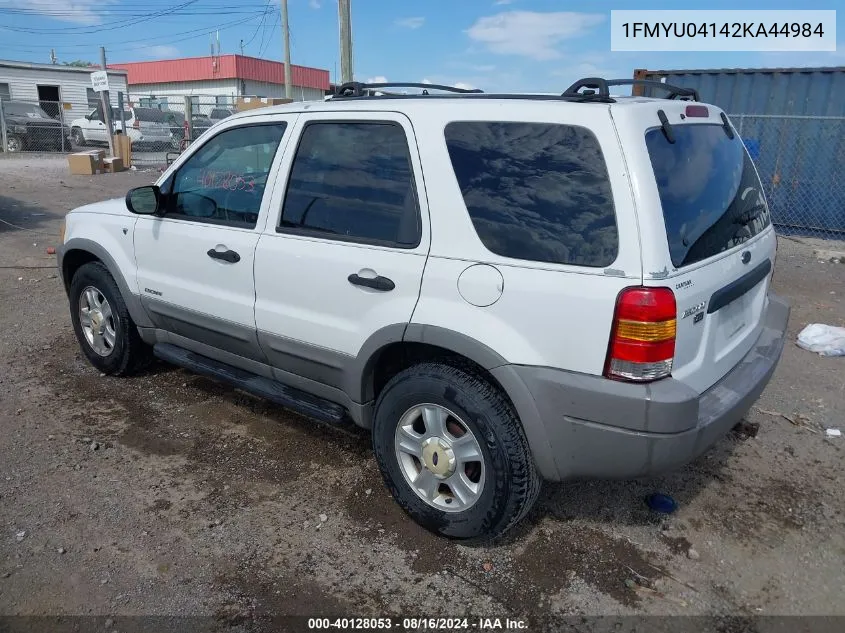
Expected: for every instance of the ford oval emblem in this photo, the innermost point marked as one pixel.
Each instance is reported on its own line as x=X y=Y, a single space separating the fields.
x=746 y=257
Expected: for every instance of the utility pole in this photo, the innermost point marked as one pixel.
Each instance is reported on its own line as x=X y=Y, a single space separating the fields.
x=104 y=98
x=344 y=17
x=242 y=48
x=286 y=34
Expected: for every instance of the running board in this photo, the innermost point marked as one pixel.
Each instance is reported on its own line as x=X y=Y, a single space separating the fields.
x=299 y=401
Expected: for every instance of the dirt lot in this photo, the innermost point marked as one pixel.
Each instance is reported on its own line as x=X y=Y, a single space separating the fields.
x=169 y=494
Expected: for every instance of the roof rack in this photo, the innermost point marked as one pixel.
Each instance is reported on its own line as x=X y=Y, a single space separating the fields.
x=598 y=89
x=358 y=89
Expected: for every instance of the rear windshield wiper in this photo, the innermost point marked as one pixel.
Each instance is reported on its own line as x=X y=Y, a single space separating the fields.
x=751 y=214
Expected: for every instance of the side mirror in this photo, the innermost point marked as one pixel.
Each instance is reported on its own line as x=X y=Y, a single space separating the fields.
x=144 y=200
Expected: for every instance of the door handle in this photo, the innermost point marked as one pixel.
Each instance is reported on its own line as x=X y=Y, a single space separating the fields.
x=376 y=283
x=227 y=256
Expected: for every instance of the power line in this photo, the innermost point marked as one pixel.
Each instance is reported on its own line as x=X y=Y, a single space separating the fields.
x=263 y=18
x=107 y=26
x=269 y=39
x=116 y=46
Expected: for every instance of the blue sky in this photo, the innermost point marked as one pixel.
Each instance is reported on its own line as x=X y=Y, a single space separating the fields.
x=503 y=45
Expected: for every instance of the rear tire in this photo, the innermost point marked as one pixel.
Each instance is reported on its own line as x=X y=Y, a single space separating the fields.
x=505 y=485
x=105 y=331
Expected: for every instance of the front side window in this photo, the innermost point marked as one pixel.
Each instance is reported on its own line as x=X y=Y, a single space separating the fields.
x=353 y=181
x=536 y=191
x=224 y=181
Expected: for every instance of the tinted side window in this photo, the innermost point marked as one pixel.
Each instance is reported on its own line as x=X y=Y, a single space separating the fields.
x=353 y=181
x=224 y=181
x=536 y=191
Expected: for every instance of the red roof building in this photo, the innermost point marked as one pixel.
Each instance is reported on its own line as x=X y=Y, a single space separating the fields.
x=223 y=76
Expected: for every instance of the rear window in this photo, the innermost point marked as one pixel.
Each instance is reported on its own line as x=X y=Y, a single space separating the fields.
x=536 y=191
x=152 y=115
x=711 y=196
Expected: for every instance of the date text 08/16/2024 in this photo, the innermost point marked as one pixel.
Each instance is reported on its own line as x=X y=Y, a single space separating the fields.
x=418 y=624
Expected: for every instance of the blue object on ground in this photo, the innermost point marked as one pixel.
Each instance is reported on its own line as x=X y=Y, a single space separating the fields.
x=661 y=503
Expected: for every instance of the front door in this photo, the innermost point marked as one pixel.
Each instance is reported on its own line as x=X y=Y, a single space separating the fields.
x=343 y=253
x=195 y=263
x=95 y=128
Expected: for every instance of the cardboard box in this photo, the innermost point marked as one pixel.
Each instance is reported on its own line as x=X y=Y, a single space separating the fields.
x=250 y=103
x=82 y=164
x=123 y=149
x=113 y=165
x=99 y=156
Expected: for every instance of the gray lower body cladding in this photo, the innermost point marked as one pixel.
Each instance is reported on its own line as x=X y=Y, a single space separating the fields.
x=588 y=426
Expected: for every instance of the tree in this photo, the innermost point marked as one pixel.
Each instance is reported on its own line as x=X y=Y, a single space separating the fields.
x=79 y=63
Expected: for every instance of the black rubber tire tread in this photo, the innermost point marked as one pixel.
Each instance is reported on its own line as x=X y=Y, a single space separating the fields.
x=512 y=484
x=130 y=353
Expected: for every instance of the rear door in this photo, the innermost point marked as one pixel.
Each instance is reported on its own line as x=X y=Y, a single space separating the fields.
x=705 y=229
x=95 y=127
x=343 y=255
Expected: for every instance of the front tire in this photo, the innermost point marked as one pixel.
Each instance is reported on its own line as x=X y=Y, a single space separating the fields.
x=77 y=137
x=14 y=143
x=105 y=331
x=453 y=453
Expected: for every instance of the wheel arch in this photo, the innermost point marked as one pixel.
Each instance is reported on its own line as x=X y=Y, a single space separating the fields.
x=395 y=348
x=77 y=252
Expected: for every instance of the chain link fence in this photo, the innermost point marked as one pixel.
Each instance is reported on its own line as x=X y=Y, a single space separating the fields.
x=799 y=159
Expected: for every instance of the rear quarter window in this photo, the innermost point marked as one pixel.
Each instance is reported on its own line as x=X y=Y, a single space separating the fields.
x=536 y=191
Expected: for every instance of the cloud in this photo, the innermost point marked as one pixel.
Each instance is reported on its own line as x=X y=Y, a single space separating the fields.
x=160 y=51
x=427 y=81
x=531 y=34
x=378 y=79
x=503 y=2
x=410 y=23
x=78 y=11
x=314 y=4
x=464 y=85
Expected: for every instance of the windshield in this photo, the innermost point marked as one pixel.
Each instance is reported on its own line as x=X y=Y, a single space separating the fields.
x=13 y=108
x=711 y=196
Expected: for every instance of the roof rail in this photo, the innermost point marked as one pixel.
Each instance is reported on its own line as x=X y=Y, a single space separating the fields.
x=599 y=89
x=358 y=89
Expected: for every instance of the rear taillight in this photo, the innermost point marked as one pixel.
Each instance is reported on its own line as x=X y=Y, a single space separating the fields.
x=136 y=124
x=642 y=341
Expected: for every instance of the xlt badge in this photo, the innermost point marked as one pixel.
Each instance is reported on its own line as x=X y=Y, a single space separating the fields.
x=693 y=310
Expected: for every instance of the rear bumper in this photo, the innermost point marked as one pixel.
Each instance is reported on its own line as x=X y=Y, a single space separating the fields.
x=588 y=426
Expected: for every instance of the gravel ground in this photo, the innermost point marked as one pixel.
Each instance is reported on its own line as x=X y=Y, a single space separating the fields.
x=170 y=494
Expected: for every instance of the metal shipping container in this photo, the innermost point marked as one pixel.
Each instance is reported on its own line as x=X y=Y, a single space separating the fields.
x=793 y=122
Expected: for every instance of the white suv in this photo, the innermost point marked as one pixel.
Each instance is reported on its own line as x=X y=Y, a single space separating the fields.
x=504 y=288
x=148 y=126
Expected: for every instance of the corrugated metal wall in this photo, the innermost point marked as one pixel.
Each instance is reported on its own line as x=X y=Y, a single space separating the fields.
x=794 y=119
x=73 y=86
x=802 y=91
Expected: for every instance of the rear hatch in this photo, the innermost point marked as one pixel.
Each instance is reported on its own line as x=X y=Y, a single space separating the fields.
x=705 y=230
x=152 y=122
